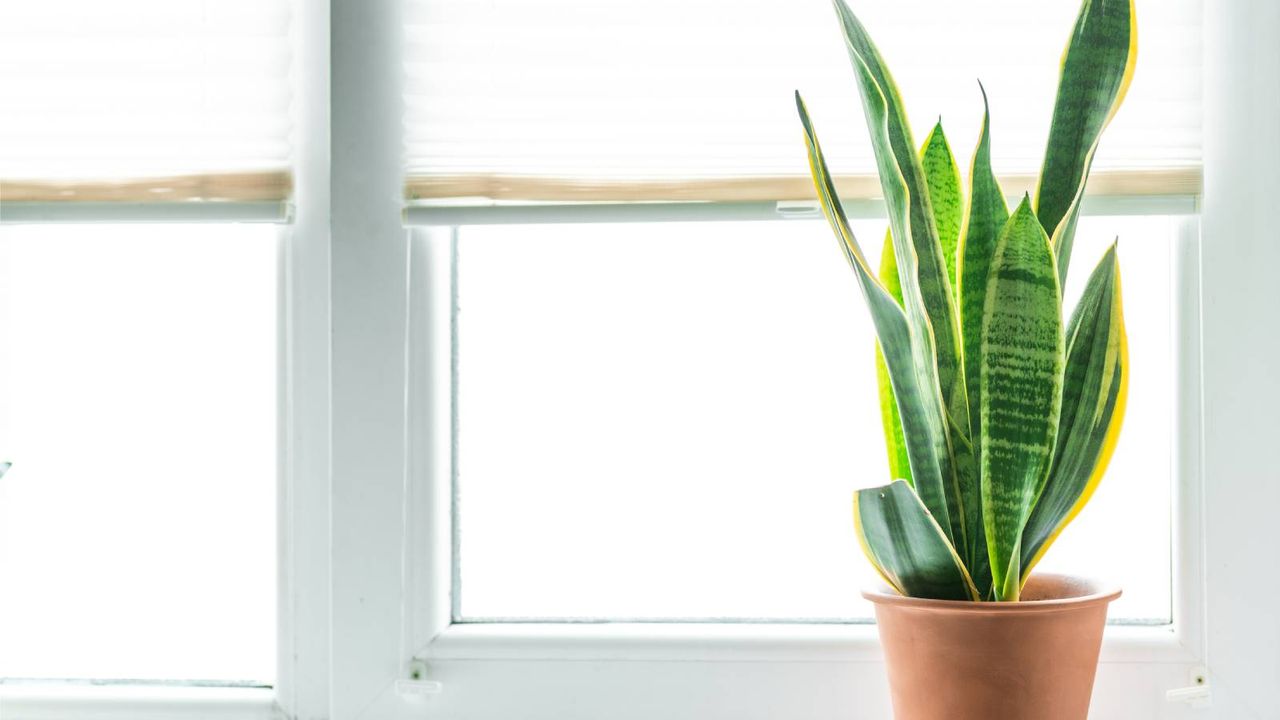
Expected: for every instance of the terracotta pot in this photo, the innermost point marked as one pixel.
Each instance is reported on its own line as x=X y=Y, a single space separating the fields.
x=1029 y=660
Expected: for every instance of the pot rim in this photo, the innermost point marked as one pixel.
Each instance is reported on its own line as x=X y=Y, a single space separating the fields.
x=1094 y=592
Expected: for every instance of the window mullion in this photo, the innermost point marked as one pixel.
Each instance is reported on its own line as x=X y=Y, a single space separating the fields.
x=1239 y=257
x=368 y=279
x=302 y=688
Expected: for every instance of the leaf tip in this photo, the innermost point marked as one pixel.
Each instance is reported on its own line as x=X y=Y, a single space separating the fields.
x=1111 y=255
x=1024 y=212
x=804 y=114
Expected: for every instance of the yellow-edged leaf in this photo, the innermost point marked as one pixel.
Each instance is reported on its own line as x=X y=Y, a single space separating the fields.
x=1095 y=388
x=1097 y=68
x=984 y=220
x=1021 y=370
x=926 y=291
x=914 y=382
x=907 y=546
x=895 y=445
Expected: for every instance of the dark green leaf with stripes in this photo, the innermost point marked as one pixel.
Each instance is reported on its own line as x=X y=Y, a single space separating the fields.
x=926 y=291
x=942 y=178
x=1093 y=397
x=984 y=221
x=907 y=546
x=1021 y=374
x=914 y=382
x=1096 y=69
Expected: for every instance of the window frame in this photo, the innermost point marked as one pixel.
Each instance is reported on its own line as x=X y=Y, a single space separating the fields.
x=89 y=699
x=568 y=653
x=360 y=593
x=303 y=438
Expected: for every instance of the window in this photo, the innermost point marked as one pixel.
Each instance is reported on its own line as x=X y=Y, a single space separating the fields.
x=683 y=410
x=544 y=584
x=377 y=260
x=139 y=407
x=656 y=396
x=144 y=163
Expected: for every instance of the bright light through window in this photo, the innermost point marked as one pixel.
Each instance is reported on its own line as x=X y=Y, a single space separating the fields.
x=666 y=421
x=137 y=526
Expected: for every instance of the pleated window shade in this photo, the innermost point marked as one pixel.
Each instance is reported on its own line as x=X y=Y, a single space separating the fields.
x=588 y=100
x=144 y=100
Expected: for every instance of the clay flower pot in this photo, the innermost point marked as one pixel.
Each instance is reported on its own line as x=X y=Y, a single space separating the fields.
x=1029 y=660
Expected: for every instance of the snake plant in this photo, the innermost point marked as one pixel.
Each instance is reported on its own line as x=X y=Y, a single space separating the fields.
x=999 y=418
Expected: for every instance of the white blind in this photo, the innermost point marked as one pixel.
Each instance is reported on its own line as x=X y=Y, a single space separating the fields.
x=538 y=99
x=144 y=99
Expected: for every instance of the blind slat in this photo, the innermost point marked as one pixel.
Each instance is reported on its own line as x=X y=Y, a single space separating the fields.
x=570 y=100
x=144 y=100
x=758 y=188
x=238 y=187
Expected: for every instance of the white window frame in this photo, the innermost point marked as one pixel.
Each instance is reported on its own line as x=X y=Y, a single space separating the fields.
x=624 y=671
x=801 y=659
x=364 y=512
x=301 y=689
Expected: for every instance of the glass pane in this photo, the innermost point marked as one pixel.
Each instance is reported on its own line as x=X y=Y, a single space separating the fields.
x=138 y=405
x=1123 y=534
x=666 y=422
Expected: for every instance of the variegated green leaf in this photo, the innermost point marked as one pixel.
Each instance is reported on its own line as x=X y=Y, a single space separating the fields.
x=895 y=445
x=984 y=221
x=907 y=546
x=1094 y=390
x=986 y=218
x=942 y=177
x=926 y=291
x=1097 y=67
x=943 y=180
x=1021 y=373
x=914 y=382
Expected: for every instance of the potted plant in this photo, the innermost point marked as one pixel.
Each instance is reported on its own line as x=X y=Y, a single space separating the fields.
x=1000 y=418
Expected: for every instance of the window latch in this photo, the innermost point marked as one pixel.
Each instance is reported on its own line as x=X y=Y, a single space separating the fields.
x=1197 y=694
x=417 y=685
x=798 y=209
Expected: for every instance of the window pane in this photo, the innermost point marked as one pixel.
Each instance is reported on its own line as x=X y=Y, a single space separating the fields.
x=1123 y=534
x=137 y=402
x=667 y=421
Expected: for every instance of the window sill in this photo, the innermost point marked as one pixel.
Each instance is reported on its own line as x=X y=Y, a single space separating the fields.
x=39 y=701
x=734 y=643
